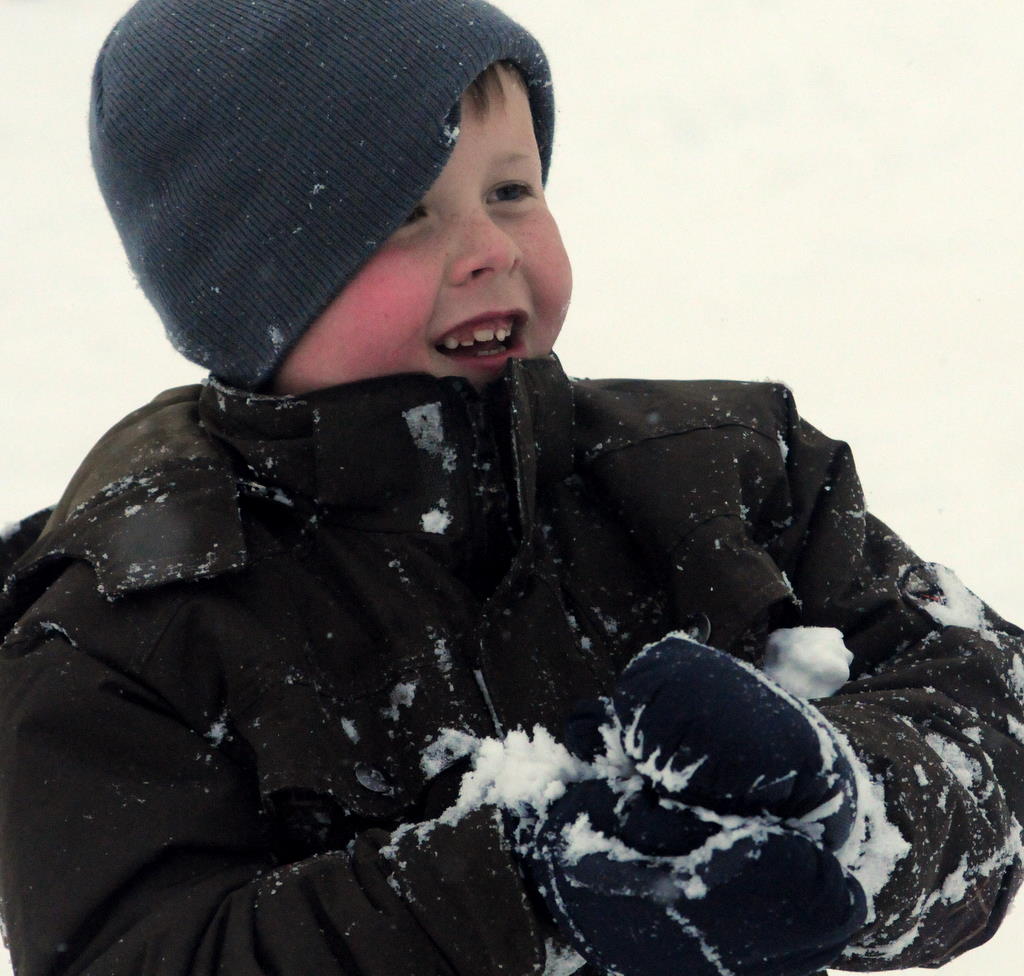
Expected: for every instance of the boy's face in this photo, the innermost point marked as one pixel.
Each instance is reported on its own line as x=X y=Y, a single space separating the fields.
x=476 y=276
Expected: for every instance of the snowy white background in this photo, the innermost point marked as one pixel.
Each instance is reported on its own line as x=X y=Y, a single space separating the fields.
x=827 y=194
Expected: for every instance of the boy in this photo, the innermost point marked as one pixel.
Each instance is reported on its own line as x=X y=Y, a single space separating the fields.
x=270 y=653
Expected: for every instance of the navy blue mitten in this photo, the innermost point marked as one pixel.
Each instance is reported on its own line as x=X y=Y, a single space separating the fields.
x=712 y=850
x=711 y=731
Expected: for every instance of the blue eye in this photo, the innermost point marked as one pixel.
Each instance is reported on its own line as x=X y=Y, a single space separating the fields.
x=511 y=192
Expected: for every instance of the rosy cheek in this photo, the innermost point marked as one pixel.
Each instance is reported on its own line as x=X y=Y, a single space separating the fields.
x=554 y=272
x=391 y=294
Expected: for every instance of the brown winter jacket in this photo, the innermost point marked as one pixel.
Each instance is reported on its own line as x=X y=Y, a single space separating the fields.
x=249 y=617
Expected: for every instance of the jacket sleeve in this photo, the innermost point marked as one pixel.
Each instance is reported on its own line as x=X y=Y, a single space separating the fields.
x=130 y=843
x=934 y=709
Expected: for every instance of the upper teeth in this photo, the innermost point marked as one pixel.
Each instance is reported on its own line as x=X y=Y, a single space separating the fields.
x=483 y=334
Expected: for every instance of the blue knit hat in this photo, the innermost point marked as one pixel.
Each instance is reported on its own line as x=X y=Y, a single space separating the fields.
x=255 y=153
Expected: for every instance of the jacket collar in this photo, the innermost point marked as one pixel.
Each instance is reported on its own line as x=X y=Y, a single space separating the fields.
x=397 y=453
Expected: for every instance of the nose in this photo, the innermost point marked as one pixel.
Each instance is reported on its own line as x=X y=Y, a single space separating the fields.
x=479 y=246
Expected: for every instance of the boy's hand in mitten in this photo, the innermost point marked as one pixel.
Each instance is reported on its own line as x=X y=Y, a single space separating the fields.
x=713 y=849
x=706 y=729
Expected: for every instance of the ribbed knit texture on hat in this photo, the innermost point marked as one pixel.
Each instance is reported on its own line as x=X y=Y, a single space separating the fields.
x=255 y=153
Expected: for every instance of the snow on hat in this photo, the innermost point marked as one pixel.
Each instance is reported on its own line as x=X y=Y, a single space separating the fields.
x=255 y=153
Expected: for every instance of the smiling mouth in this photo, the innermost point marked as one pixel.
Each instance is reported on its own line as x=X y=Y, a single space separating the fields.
x=481 y=339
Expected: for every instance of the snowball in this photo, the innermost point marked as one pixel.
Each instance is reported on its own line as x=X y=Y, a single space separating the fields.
x=517 y=773
x=811 y=662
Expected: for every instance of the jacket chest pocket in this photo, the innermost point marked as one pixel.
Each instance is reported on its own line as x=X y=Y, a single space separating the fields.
x=728 y=589
x=368 y=753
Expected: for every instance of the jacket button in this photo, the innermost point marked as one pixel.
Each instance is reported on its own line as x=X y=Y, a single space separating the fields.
x=921 y=585
x=698 y=627
x=372 y=779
